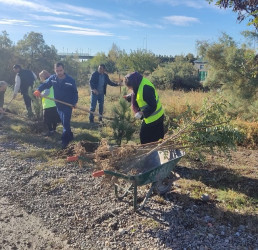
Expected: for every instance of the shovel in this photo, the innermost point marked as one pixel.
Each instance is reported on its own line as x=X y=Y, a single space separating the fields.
x=83 y=109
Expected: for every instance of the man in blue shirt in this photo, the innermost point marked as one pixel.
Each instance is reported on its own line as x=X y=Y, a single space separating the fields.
x=98 y=85
x=64 y=90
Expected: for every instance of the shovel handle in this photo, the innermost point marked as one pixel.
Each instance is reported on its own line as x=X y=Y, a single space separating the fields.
x=72 y=158
x=98 y=173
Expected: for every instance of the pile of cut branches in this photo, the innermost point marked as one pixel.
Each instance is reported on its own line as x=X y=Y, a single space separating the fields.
x=206 y=131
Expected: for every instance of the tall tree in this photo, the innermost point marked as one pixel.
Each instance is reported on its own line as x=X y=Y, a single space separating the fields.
x=179 y=74
x=244 y=8
x=35 y=53
x=5 y=41
x=234 y=70
x=7 y=57
x=142 y=61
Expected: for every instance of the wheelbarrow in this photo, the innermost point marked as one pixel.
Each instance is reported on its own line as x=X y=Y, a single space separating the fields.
x=156 y=169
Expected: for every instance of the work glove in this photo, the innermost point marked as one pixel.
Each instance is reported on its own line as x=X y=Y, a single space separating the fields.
x=37 y=93
x=138 y=115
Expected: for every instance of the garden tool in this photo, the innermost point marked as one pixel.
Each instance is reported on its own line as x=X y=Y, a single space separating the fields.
x=83 y=109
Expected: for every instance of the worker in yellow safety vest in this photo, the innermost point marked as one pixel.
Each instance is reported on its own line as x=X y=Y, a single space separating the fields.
x=50 y=115
x=146 y=106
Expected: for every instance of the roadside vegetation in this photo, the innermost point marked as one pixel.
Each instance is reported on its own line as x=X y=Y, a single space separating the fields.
x=231 y=84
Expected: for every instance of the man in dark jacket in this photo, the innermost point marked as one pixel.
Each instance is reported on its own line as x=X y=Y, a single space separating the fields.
x=65 y=90
x=98 y=85
x=24 y=79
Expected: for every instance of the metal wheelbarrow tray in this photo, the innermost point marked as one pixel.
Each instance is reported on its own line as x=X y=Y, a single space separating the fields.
x=155 y=169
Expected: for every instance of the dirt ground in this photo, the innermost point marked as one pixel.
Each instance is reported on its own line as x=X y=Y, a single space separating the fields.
x=65 y=208
x=20 y=230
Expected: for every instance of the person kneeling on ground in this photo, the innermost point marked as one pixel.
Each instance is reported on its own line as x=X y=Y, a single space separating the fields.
x=50 y=115
x=146 y=106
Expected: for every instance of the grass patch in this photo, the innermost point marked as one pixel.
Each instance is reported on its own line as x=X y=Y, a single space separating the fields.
x=231 y=185
x=151 y=223
x=235 y=201
x=42 y=155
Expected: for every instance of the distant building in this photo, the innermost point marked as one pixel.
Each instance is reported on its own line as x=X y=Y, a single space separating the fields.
x=201 y=66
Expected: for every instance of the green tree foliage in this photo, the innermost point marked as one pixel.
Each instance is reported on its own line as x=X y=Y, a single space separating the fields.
x=251 y=36
x=165 y=59
x=122 y=63
x=35 y=54
x=77 y=70
x=7 y=57
x=113 y=56
x=179 y=74
x=207 y=130
x=142 y=61
x=123 y=123
x=202 y=47
x=5 y=42
x=234 y=70
x=99 y=58
x=244 y=8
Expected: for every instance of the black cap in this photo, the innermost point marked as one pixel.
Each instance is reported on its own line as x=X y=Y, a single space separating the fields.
x=16 y=66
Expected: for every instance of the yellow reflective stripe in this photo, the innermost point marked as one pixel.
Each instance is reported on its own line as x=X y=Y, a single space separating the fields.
x=143 y=107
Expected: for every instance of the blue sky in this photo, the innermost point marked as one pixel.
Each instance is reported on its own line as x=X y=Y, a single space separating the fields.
x=166 y=27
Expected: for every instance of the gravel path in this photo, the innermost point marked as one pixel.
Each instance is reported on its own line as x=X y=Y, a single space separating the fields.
x=65 y=208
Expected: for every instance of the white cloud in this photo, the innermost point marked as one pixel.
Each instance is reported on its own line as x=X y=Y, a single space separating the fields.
x=197 y=4
x=181 y=20
x=55 y=19
x=32 y=6
x=12 y=21
x=87 y=11
x=80 y=31
x=134 y=23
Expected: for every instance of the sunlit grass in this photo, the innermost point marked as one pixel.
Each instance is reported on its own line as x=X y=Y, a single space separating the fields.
x=235 y=201
x=42 y=155
x=174 y=103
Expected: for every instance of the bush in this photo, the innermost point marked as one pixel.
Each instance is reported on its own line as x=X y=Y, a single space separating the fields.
x=250 y=131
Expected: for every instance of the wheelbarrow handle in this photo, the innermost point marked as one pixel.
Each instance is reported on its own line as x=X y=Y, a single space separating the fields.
x=98 y=173
x=72 y=158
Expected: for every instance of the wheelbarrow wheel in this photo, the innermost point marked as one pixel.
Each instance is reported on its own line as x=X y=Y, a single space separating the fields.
x=163 y=186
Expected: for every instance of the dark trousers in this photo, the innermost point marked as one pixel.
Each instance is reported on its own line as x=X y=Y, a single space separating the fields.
x=51 y=118
x=27 y=101
x=93 y=103
x=153 y=131
x=65 y=114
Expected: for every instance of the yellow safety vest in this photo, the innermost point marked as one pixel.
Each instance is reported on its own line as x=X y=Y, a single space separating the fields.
x=142 y=104
x=46 y=103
